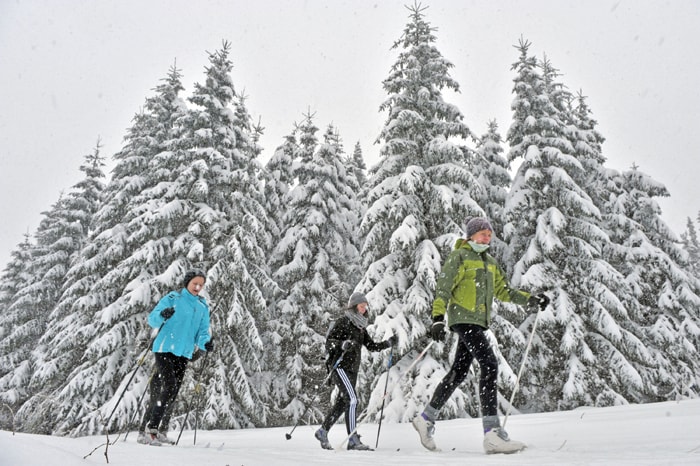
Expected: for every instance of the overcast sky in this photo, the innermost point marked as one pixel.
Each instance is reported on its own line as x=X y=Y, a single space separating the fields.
x=72 y=71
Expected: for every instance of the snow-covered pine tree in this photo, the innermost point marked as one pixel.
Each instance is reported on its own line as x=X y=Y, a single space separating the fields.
x=490 y=167
x=95 y=338
x=228 y=213
x=418 y=198
x=691 y=245
x=536 y=132
x=552 y=226
x=357 y=181
x=23 y=319
x=348 y=177
x=359 y=168
x=667 y=303
x=59 y=237
x=199 y=204
x=587 y=350
x=16 y=275
x=278 y=179
x=633 y=370
x=288 y=398
x=313 y=264
x=13 y=278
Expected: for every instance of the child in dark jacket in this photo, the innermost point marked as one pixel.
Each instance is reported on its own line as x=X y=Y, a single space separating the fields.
x=344 y=342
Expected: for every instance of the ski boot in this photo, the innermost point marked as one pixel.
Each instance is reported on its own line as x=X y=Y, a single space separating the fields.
x=354 y=443
x=322 y=436
x=496 y=441
x=425 y=428
x=149 y=437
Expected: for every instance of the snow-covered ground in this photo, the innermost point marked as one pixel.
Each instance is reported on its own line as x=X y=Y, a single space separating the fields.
x=660 y=433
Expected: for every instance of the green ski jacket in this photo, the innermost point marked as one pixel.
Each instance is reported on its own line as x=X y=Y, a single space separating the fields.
x=467 y=285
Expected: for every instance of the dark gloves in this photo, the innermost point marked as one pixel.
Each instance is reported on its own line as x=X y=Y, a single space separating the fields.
x=437 y=330
x=209 y=346
x=392 y=341
x=347 y=345
x=167 y=313
x=540 y=300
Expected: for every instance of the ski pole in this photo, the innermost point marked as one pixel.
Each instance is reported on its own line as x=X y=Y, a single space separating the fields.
x=330 y=373
x=197 y=378
x=408 y=371
x=386 y=386
x=522 y=366
x=138 y=365
x=138 y=404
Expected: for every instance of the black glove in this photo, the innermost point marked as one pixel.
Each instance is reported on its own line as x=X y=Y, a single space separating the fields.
x=540 y=300
x=167 y=313
x=437 y=330
x=209 y=346
x=347 y=345
x=392 y=341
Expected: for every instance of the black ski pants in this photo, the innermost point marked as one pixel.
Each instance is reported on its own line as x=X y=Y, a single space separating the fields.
x=473 y=344
x=165 y=385
x=345 y=402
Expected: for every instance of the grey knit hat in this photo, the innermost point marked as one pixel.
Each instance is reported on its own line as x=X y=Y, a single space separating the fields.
x=475 y=225
x=355 y=299
x=190 y=274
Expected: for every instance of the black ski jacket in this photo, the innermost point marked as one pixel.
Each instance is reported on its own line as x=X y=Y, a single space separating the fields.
x=343 y=329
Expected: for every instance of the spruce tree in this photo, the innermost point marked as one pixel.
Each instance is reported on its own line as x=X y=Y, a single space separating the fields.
x=418 y=198
x=553 y=230
x=278 y=178
x=60 y=237
x=629 y=343
x=667 y=296
x=16 y=275
x=228 y=214
x=691 y=245
x=490 y=167
x=589 y=348
x=197 y=204
x=314 y=264
x=97 y=334
x=359 y=168
x=357 y=181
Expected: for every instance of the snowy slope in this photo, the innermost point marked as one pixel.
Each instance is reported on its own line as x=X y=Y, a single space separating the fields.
x=659 y=434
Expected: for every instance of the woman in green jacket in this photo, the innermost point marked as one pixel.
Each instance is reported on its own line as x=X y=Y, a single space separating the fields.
x=469 y=281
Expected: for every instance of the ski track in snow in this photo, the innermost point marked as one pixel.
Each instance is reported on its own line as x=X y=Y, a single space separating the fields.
x=651 y=434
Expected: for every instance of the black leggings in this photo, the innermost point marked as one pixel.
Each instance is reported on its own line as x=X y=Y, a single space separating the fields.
x=345 y=402
x=165 y=385
x=473 y=344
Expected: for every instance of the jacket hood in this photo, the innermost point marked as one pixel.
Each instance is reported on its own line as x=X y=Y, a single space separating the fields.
x=462 y=242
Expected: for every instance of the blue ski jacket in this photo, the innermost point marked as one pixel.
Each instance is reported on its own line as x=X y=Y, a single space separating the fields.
x=188 y=326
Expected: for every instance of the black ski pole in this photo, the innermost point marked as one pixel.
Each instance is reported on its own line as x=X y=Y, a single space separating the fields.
x=197 y=378
x=386 y=386
x=361 y=418
x=330 y=373
x=138 y=365
x=196 y=409
x=138 y=404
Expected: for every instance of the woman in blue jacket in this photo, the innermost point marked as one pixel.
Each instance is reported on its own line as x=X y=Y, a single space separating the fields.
x=182 y=318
